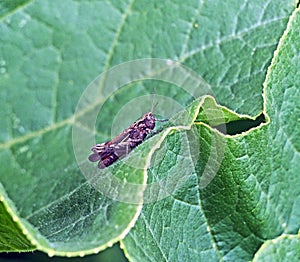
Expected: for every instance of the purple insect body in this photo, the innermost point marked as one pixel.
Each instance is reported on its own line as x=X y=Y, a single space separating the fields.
x=109 y=152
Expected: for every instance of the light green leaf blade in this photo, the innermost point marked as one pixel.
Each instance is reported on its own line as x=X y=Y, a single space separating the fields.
x=56 y=209
x=51 y=50
x=283 y=248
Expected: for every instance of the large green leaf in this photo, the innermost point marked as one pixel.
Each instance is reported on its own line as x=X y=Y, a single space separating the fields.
x=51 y=50
x=255 y=193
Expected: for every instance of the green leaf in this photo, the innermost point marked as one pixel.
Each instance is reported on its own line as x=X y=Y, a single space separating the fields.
x=51 y=50
x=11 y=238
x=254 y=195
x=7 y=7
x=283 y=248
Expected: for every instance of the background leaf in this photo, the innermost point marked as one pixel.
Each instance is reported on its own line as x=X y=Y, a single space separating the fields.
x=51 y=50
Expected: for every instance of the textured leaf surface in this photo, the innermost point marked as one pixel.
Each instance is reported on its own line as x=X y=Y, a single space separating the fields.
x=51 y=50
x=255 y=193
x=284 y=248
x=9 y=229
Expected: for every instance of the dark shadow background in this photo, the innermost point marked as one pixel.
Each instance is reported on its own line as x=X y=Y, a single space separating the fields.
x=113 y=253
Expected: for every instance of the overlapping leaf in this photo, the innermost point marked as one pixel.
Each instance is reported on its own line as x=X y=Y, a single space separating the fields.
x=51 y=50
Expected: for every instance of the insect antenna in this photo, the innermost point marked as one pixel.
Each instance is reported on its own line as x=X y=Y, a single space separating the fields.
x=153 y=98
x=154 y=105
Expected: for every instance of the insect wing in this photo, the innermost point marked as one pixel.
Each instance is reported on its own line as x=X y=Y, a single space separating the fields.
x=123 y=137
x=122 y=149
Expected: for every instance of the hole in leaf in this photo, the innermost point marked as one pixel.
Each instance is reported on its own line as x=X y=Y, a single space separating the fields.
x=239 y=126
